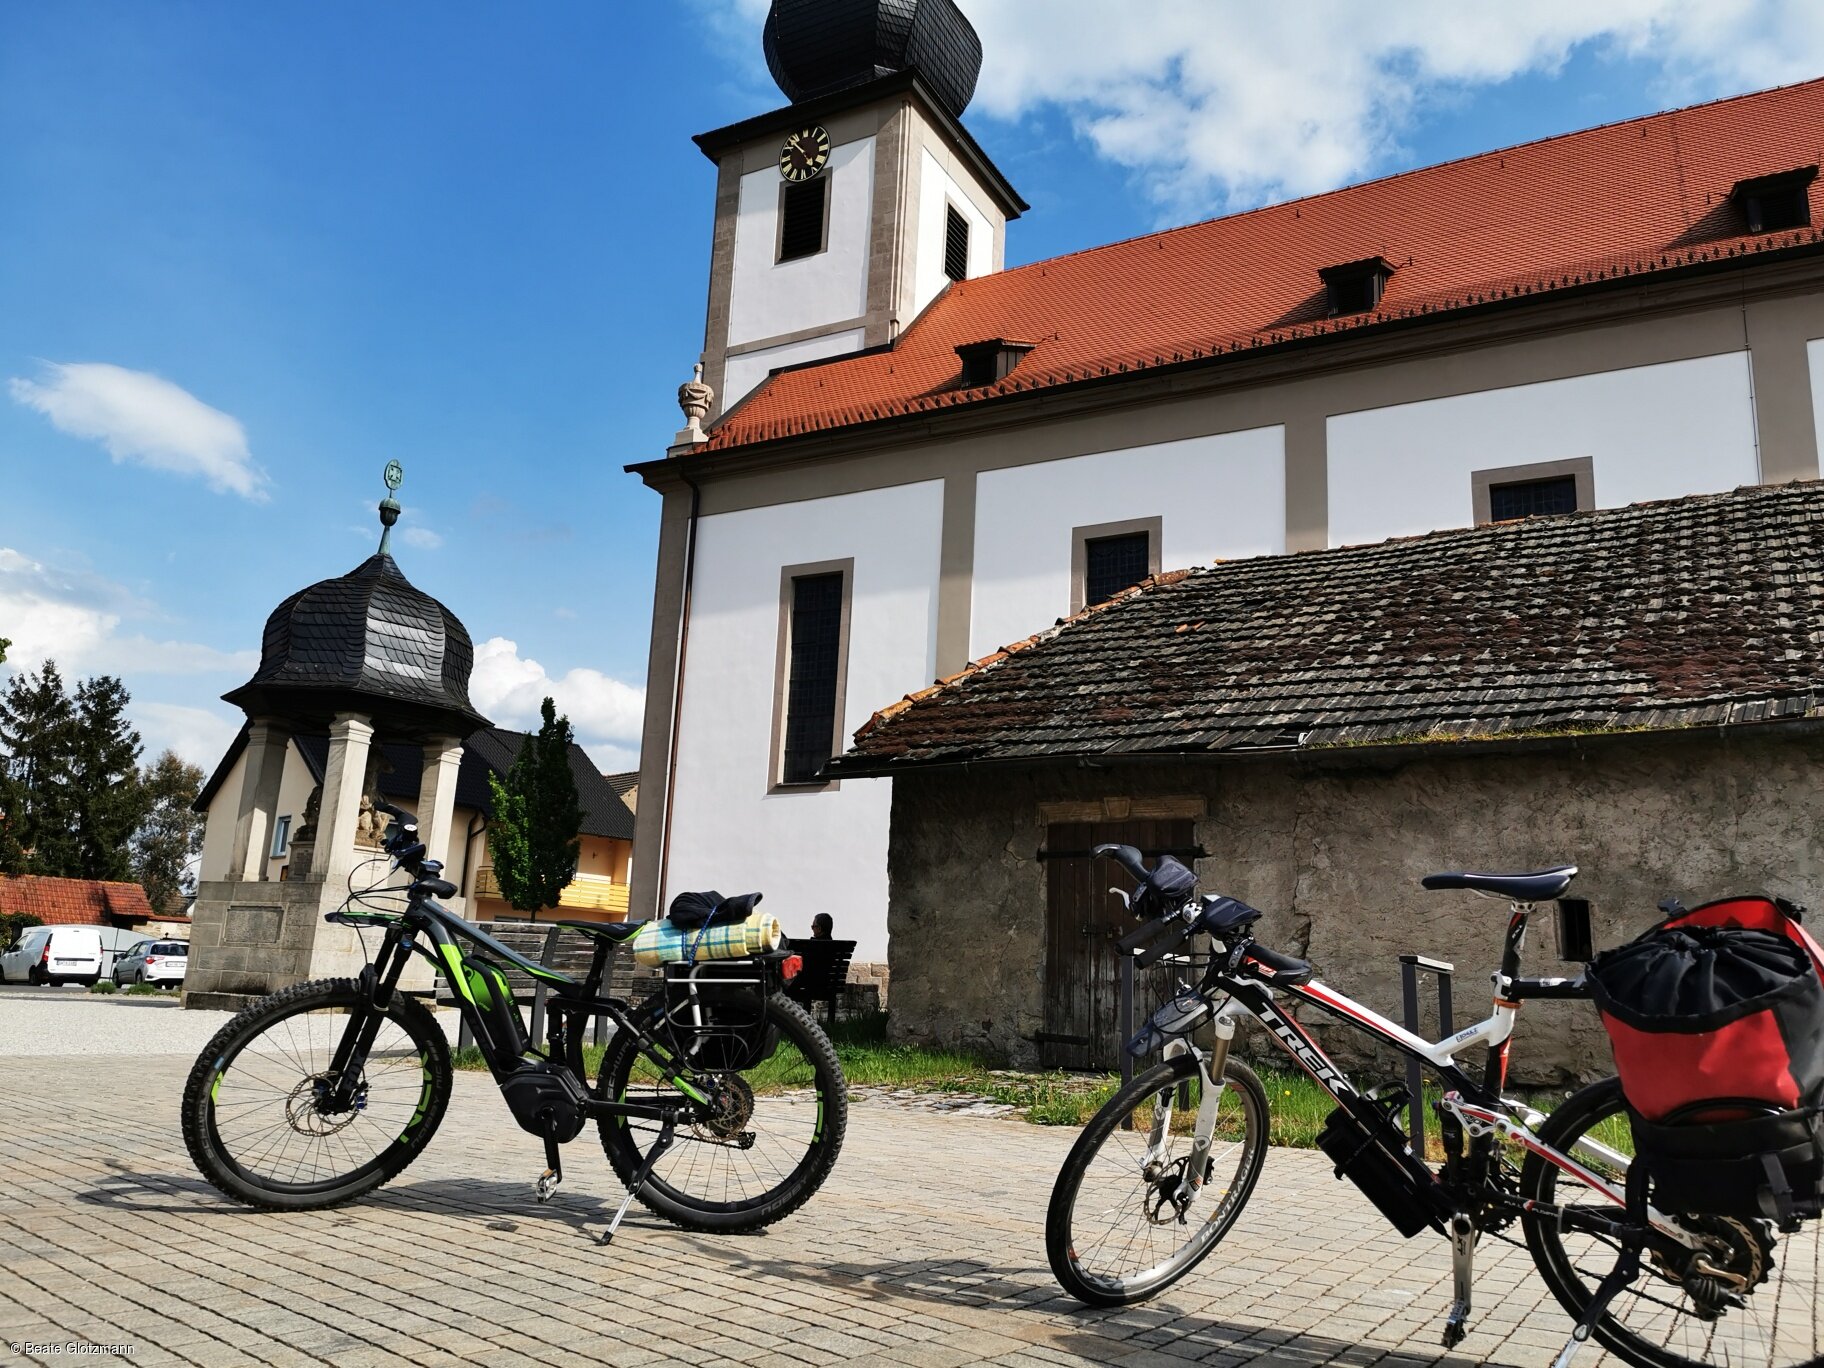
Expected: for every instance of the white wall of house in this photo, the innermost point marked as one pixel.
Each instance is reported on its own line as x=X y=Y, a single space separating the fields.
x=1221 y=496
x=808 y=851
x=1814 y=361
x=937 y=188
x=744 y=372
x=218 y=822
x=1651 y=432
x=769 y=297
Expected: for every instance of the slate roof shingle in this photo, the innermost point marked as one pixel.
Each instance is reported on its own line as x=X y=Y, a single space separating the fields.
x=1632 y=199
x=74 y=902
x=1703 y=611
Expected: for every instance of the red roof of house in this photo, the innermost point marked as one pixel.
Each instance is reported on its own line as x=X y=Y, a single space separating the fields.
x=74 y=902
x=1633 y=198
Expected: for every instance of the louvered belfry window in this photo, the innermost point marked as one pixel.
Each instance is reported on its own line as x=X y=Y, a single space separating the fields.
x=956 y=244
x=1111 y=564
x=810 y=699
x=1532 y=498
x=801 y=211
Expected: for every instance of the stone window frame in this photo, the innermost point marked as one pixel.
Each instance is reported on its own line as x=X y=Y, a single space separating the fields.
x=1080 y=537
x=1582 y=469
x=782 y=669
x=828 y=176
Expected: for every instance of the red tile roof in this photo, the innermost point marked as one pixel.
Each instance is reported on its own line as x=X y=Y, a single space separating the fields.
x=74 y=902
x=1633 y=198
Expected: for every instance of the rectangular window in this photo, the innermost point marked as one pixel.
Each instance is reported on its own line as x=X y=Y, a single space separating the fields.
x=281 y=836
x=815 y=656
x=1111 y=564
x=956 y=244
x=1532 y=498
x=801 y=217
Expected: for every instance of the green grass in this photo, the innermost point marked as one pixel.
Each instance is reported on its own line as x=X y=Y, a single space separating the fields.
x=1296 y=1104
x=104 y=986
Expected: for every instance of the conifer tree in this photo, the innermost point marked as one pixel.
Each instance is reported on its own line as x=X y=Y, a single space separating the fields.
x=104 y=773
x=537 y=816
x=37 y=738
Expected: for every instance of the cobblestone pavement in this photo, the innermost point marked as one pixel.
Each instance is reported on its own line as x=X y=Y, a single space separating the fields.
x=925 y=1248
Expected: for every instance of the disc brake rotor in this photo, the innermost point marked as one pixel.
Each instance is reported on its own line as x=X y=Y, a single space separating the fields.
x=304 y=1108
x=731 y=1109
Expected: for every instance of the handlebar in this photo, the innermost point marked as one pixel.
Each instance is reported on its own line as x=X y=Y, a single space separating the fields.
x=1126 y=856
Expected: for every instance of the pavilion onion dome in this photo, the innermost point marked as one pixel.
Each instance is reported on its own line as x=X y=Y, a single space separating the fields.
x=818 y=47
x=369 y=643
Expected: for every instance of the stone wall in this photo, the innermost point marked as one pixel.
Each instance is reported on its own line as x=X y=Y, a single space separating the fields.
x=1331 y=847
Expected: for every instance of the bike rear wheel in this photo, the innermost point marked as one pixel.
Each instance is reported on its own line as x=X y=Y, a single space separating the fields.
x=776 y=1127
x=254 y=1118
x=1655 y=1321
x=1114 y=1233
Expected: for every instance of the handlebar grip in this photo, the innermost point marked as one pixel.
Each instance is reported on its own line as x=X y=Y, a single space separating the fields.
x=1126 y=856
x=381 y=805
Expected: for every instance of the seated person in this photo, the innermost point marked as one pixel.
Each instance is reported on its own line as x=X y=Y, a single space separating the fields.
x=822 y=925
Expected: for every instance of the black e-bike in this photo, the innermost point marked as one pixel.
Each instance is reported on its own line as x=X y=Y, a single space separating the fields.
x=719 y=1102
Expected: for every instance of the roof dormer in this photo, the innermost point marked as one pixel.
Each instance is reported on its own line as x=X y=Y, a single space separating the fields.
x=1781 y=200
x=1356 y=286
x=985 y=363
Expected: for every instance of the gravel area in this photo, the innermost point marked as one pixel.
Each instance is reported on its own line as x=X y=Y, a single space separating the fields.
x=72 y=1021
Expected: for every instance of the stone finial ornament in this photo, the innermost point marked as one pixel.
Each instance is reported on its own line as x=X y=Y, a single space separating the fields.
x=694 y=397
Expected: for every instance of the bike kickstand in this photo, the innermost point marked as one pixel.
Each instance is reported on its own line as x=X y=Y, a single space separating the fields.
x=1462 y=1265
x=663 y=1143
x=553 y=1174
x=1627 y=1267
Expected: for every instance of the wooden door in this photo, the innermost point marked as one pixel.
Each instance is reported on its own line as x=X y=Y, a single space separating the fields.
x=1083 y=922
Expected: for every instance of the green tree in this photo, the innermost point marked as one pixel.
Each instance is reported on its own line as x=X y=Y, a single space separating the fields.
x=4 y=643
x=537 y=815
x=172 y=831
x=37 y=734
x=13 y=923
x=104 y=772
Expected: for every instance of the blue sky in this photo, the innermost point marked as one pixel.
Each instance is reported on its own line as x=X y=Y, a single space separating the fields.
x=249 y=253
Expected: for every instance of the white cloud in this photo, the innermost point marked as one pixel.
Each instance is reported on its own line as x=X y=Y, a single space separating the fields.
x=605 y=713
x=74 y=617
x=140 y=417
x=422 y=538
x=1217 y=108
x=199 y=735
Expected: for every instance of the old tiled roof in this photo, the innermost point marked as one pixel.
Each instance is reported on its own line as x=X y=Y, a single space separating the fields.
x=368 y=640
x=74 y=902
x=1704 y=611
x=1628 y=200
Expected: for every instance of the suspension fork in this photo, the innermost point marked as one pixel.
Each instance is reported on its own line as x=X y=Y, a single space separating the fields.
x=378 y=982
x=1203 y=1130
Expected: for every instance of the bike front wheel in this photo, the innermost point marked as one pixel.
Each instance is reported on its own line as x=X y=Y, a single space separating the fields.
x=1122 y=1225
x=1775 y=1317
x=258 y=1111
x=779 y=1109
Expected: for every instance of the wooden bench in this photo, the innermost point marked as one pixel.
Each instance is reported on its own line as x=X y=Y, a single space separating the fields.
x=826 y=970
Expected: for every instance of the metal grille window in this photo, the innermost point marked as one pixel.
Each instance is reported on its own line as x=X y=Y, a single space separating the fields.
x=810 y=700
x=1111 y=564
x=1532 y=498
x=956 y=244
x=801 y=218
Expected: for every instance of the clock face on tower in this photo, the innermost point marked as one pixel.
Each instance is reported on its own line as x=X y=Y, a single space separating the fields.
x=804 y=154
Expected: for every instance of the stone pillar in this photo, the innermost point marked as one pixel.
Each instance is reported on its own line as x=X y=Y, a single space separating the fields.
x=437 y=793
x=267 y=742
x=349 y=738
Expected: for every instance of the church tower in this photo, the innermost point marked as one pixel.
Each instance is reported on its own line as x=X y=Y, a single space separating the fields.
x=841 y=216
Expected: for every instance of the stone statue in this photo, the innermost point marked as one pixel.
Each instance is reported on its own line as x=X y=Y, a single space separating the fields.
x=370 y=824
x=306 y=833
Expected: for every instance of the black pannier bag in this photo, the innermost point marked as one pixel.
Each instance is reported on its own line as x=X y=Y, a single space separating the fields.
x=1716 y=1020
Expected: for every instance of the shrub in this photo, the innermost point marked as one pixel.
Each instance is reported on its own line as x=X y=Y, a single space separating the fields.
x=103 y=986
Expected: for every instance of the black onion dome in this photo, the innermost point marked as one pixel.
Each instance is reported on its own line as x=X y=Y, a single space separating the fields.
x=367 y=642
x=818 y=47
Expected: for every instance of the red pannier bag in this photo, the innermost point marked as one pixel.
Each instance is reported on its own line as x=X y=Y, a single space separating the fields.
x=1716 y=1020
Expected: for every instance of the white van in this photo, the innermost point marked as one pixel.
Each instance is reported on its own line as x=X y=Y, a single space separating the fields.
x=53 y=954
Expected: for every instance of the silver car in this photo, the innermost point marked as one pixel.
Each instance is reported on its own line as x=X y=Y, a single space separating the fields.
x=161 y=962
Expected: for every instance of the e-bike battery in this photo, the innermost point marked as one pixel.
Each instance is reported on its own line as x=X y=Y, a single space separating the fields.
x=1361 y=1156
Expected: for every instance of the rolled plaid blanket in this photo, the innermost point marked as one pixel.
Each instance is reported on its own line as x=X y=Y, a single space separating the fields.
x=659 y=942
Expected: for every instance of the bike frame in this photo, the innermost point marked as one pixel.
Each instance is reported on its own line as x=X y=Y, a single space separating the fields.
x=1475 y=1104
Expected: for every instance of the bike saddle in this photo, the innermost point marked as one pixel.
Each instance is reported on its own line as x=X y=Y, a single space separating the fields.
x=615 y=932
x=1540 y=887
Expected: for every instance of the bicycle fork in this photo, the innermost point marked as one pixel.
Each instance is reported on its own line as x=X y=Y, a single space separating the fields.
x=1203 y=1130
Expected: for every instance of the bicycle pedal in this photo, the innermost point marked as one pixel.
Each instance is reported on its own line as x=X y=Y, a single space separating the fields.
x=546 y=1186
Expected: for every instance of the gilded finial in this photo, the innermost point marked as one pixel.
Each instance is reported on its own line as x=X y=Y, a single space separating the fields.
x=394 y=475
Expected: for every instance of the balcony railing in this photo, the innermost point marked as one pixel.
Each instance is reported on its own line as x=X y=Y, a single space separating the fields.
x=584 y=893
